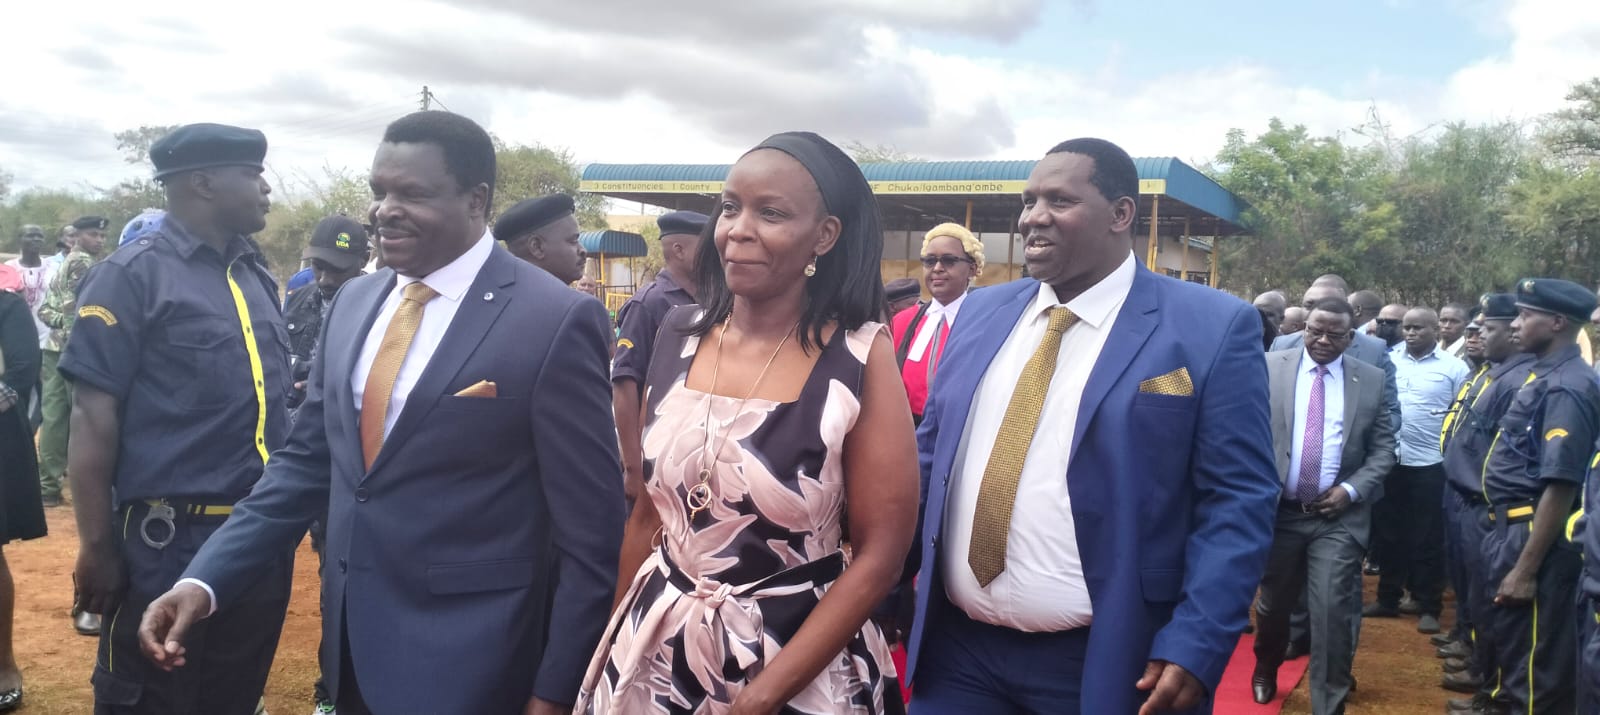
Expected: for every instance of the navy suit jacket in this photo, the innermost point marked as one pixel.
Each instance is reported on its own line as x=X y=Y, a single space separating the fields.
x=1174 y=497
x=474 y=565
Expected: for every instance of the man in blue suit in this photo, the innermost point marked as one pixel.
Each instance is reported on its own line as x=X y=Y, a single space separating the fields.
x=457 y=428
x=1099 y=487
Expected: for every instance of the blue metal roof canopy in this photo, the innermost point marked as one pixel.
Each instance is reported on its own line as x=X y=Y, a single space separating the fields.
x=621 y=244
x=939 y=188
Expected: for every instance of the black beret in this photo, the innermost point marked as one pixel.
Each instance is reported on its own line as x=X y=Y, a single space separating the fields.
x=678 y=222
x=1498 y=306
x=901 y=288
x=201 y=146
x=530 y=214
x=1553 y=295
x=88 y=222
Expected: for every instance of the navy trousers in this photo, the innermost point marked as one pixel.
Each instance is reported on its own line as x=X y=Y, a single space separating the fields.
x=972 y=667
x=229 y=654
x=1535 y=646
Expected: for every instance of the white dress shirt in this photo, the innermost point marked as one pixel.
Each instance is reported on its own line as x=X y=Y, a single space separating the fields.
x=1332 y=425
x=936 y=314
x=1042 y=588
x=451 y=283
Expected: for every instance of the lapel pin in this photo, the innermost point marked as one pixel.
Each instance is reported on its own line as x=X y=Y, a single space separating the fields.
x=488 y=296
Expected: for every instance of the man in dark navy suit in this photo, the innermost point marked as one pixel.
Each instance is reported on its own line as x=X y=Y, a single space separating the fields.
x=458 y=429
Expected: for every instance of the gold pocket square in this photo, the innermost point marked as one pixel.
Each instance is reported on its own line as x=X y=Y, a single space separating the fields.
x=1174 y=383
x=484 y=388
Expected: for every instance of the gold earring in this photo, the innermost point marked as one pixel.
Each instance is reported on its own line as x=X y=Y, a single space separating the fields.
x=811 y=268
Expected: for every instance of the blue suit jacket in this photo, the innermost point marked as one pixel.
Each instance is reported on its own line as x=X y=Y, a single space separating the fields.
x=475 y=564
x=1174 y=497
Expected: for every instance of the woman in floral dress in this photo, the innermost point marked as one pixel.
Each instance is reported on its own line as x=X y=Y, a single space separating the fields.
x=769 y=410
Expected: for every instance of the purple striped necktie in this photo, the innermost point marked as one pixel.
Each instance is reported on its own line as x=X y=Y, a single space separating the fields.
x=1306 y=490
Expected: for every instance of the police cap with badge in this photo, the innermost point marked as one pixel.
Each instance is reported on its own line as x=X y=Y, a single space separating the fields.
x=1557 y=297
x=90 y=223
x=530 y=214
x=205 y=146
x=1497 y=306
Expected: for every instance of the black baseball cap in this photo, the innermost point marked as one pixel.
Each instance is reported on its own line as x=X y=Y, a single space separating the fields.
x=339 y=240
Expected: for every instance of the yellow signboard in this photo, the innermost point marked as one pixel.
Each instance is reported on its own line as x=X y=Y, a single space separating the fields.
x=948 y=187
x=1152 y=186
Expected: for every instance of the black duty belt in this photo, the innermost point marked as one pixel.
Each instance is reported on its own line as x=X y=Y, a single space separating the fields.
x=1511 y=513
x=159 y=524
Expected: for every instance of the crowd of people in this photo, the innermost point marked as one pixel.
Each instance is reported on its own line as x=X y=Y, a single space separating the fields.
x=1061 y=494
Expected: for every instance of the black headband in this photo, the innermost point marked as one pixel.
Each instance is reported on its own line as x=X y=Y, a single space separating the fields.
x=813 y=152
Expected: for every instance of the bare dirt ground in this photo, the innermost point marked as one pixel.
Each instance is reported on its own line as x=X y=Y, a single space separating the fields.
x=1396 y=668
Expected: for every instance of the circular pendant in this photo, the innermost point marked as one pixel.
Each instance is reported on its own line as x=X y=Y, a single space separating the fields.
x=699 y=496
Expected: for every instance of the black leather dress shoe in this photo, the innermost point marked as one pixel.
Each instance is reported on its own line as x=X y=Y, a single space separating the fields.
x=1440 y=640
x=1264 y=687
x=1296 y=649
x=1457 y=649
x=1454 y=665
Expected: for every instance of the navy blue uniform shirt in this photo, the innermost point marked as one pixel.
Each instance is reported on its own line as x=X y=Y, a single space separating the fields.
x=1548 y=433
x=1477 y=420
x=158 y=328
x=637 y=323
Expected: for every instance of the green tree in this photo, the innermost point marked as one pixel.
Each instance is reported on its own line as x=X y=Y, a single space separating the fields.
x=876 y=153
x=1315 y=206
x=524 y=172
x=303 y=200
x=1574 y=131
x=1452 y=193
x=135 y=143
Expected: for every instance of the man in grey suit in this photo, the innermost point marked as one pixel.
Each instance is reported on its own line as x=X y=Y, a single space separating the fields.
x=1334 y=445
x=1363 y=347
x=457 y=429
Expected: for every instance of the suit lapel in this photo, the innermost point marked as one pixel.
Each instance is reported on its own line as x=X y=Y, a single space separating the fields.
x=959 y=380
x=1285 y=374
x=1352 y=395
x=480 y=306
x=1135 y=322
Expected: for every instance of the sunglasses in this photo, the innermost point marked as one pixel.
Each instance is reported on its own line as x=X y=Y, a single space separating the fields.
x=1386 y=321
x=947 y=260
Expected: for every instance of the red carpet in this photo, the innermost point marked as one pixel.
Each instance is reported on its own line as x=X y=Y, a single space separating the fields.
x=1233 y=693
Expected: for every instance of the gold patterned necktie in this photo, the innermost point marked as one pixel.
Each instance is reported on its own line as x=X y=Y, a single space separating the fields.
x=386 y=366
x=991 y=523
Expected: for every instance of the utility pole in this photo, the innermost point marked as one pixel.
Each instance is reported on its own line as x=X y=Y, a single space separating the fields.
x=427 y=98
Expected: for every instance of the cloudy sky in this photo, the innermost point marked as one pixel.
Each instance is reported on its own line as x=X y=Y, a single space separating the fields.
x=701 y=80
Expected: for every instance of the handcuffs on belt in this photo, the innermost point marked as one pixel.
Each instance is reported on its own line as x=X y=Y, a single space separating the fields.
x=162 y=513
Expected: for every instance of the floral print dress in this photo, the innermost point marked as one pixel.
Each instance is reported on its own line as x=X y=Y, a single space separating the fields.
x=726 y=589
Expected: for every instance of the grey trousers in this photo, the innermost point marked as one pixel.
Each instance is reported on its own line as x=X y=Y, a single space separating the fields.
x=1320 y=558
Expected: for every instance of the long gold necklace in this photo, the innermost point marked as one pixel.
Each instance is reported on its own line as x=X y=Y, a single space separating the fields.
x=699 y=496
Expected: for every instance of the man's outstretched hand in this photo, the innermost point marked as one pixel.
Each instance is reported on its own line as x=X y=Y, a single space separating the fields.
x=167 y=620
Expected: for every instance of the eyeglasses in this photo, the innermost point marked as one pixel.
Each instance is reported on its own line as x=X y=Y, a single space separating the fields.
x=947 y=260
x=1387 y=321
x=1315 y=335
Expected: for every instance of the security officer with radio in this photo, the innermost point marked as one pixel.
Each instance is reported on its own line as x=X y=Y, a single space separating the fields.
x=180 y=366
x=1536 y=465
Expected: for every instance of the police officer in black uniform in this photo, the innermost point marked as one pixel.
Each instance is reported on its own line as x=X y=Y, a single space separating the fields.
x=1536 y=465
x=637 y=323
x=1468 y=432
x=180 y=365
x=338 y=250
